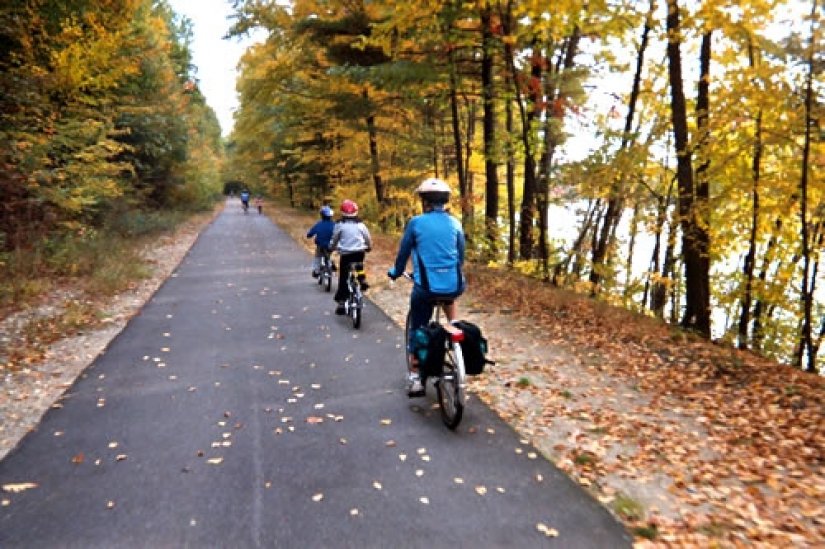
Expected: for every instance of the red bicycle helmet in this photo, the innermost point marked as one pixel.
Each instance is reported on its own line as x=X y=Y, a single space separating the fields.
x=349 y=208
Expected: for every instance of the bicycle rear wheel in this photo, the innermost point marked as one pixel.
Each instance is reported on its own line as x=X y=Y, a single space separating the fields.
x=448 y=387
x=355 y=312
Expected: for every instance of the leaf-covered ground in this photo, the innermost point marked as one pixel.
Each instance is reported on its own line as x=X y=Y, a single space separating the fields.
x=688 y=442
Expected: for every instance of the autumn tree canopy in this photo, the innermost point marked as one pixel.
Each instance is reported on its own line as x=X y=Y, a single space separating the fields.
x=100 y=116
x=692 y=126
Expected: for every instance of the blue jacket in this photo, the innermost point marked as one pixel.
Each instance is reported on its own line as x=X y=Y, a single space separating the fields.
x=322 y=231
x=436 y=242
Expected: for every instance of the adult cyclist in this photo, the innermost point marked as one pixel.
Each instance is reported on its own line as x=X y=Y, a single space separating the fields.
x=435 y=241
x=245 y=199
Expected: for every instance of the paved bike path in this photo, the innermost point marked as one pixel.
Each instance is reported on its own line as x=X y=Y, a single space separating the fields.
x=237 y=411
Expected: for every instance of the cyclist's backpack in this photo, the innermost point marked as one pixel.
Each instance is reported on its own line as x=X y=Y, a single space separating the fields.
x=473 y=347
x=428 y=346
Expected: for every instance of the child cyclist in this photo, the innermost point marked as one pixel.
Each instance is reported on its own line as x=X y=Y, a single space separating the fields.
x=322 y=231
x=435 y=241
x=352 y=240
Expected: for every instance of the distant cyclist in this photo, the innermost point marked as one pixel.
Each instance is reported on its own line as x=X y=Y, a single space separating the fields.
x=322 y=231
x=435 y=241
x=352 y=240
x=245 y=199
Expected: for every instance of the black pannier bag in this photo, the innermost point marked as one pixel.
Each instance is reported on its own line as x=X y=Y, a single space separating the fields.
x=428 y=346
x=473 y=347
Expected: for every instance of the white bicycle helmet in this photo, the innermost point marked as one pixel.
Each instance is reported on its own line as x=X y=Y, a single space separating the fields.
x=434 y=190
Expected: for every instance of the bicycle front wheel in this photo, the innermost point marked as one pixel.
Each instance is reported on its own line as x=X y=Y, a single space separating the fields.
x=450 y=387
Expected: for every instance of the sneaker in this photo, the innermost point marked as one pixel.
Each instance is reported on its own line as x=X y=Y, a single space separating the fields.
x=340 y=310
x=414 y=386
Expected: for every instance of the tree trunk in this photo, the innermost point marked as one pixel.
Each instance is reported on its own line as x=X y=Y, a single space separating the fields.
x=563 y=266
x=527 y=243
x=750 y=257
x=656 y=294
x=457 y=143
x=634 y=230
x=615 y=204
x=694 y=236
x=807 y=294
x=507 y=23
x=380 y=191
x=469 y=176
x=553 y=94
x=490 y=145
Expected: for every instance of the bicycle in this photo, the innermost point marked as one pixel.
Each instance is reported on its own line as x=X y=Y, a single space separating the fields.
x=354 y=304
x=325 y=271
x=451 y=380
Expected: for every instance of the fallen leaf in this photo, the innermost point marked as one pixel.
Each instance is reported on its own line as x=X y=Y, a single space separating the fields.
x=481 y=490
x=315 y=419
x=110 y=504
x=547 y=531
x=424 y=499
x=386 y=421
x=353 y=512
x=79 y=458
x=458 y=480
x=121 y=457
x=317 y=497
x=214 y=461
x=19 y=487
x=377 y=485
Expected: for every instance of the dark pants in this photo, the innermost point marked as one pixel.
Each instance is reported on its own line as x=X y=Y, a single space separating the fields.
x=342 y=293
x=421 y=309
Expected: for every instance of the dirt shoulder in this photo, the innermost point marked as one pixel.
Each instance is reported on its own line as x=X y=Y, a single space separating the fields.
x=688 y=443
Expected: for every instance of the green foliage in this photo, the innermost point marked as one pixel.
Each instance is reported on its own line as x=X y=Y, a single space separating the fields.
x=628 y=508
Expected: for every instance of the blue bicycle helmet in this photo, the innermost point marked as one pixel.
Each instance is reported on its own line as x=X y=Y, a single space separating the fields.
x=326 y=211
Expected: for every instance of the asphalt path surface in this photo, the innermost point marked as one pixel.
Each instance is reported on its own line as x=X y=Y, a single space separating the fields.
x=236 y=410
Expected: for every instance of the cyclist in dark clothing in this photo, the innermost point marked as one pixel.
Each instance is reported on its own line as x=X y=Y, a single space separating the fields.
x=322 y=231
